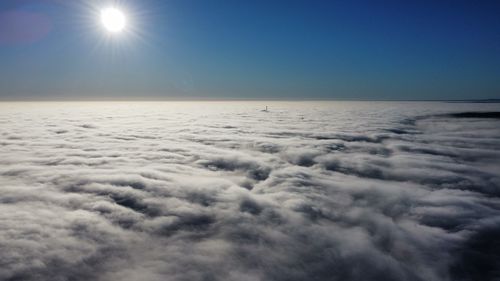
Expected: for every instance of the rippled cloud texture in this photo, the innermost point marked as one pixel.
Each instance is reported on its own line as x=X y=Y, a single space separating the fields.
x=225 y=191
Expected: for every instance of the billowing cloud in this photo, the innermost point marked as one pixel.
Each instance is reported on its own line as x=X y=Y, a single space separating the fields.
x=224 y=191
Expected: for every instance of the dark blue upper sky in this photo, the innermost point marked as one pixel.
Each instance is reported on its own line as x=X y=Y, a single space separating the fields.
x=252 y=49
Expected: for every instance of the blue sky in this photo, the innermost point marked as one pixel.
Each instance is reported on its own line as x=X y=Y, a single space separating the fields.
x=235 y=49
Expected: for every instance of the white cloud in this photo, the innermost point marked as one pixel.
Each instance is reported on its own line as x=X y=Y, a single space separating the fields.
x=223 y=191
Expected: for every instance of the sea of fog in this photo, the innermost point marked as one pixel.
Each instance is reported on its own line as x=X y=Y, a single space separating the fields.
x=157 y=191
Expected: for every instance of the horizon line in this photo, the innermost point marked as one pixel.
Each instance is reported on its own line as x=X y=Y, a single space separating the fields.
x=488 y=100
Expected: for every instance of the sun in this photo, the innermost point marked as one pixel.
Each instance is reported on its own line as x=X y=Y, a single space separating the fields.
x=113 y=20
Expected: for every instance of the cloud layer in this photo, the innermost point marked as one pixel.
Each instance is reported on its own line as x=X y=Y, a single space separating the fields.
x=224 y=191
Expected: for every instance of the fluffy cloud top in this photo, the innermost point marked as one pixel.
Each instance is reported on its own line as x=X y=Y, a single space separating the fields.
x=224 y=191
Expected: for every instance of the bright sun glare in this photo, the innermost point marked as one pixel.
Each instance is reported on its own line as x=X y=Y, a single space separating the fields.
x=113 y=20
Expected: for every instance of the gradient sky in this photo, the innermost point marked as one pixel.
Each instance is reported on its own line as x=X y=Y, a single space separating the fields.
x=252 y=49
